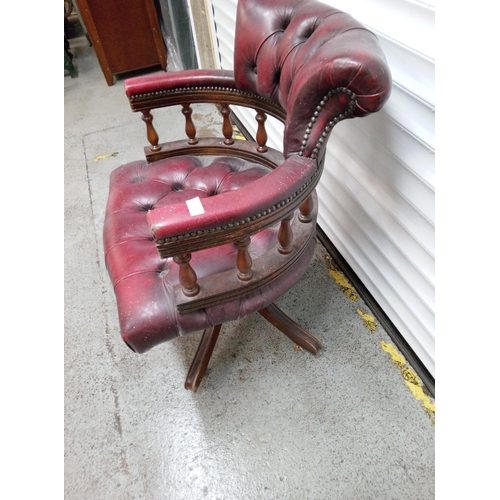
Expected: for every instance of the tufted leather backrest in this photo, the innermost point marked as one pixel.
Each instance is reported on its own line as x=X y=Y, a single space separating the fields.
x=317 y=62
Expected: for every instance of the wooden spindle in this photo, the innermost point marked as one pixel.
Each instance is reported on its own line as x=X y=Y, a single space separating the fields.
x=243 y=259
x=187 y=275
x=190 y=128
x=147 y=118
x=306 y=210
x=285 y=236
x=261 y=132
x=227 y=128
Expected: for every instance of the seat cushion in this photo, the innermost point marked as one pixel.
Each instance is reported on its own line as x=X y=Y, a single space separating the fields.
x=143 y=282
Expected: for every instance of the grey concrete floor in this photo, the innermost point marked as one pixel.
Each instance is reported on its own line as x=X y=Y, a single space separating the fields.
x=268 y=421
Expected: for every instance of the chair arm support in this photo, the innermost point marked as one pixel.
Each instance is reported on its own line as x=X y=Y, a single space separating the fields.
x=164 y=82
x=232 y=214
x=194 y=86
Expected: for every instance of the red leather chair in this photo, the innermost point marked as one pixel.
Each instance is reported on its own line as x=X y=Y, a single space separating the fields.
x=208 y=230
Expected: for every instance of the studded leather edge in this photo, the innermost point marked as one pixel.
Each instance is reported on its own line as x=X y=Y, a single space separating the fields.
x=331 y=124
x=182 y=90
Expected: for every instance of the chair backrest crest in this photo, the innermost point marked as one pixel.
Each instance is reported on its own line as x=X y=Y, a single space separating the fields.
x=293 y=52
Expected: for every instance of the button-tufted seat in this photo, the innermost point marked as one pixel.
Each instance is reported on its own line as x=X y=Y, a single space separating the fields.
x=142 y=280
x=208 y=230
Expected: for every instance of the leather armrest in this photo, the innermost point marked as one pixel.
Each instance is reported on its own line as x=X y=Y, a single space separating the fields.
x=228 y=215
x=193 y=86
x=164 y=82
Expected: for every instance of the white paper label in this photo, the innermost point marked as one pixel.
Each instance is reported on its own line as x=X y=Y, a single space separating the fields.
x=195 y=207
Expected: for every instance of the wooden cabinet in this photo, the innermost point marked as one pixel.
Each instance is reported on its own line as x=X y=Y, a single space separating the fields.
x=125 y=34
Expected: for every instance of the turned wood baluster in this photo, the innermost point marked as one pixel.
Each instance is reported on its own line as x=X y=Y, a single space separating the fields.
x=190 y=128
x=261 y=131
x=285 y=236
x=187 y=275
x=306 y=210
x=147 y=118
x=227 y=128
x=243 y=259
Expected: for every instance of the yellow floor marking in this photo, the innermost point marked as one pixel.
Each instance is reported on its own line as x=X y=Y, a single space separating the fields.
x=411 y=379
x=347 y=289
x=104 y=157
x=368 y=320
x=238 y=134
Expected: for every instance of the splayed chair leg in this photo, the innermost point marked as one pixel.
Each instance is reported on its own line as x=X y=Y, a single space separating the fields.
x=292 y=330
x=202 y=357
